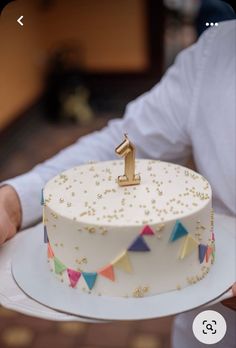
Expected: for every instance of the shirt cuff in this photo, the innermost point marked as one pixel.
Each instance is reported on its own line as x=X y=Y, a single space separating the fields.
x=28 y=187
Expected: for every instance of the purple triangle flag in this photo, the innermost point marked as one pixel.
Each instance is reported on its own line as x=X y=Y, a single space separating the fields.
x=139 y=244
x=45 y=235
x=202 y=252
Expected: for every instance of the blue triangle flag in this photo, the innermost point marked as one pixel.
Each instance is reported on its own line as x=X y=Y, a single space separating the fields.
x=42 y=198
x=178 y=231
x=202 y=252
x=90 y=279
x=45 y=234
x=139 y=244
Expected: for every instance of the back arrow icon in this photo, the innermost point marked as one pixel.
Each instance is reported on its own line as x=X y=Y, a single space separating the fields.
x=19 y=20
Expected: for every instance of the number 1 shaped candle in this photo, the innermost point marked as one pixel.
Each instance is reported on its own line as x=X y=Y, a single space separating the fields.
x=127 y=150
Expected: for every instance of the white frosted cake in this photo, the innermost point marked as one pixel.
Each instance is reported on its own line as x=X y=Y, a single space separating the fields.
x=136 y=240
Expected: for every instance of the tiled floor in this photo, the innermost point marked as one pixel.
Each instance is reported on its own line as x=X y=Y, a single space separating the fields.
x=34 y=141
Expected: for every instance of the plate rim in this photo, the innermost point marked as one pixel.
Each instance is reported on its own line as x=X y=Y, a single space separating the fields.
x=146 y=300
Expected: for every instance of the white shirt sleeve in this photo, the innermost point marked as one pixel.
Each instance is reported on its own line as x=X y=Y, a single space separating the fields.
x=156 y=122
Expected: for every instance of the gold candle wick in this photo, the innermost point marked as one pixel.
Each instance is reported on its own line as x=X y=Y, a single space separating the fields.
x=127 y=150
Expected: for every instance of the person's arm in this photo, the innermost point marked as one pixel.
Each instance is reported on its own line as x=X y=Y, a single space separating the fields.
x=157 y=122
x=231 y=302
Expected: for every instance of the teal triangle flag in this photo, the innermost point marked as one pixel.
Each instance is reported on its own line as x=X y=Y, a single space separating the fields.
x=139 y=244
x=59 y=266
x=42 y=198
x=178 y=231
x=90 y=278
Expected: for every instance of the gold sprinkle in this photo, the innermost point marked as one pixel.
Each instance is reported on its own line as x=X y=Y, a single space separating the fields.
x=140 y=291
x=160 y=227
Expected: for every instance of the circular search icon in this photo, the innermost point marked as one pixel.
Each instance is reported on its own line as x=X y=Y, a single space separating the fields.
x=209 y=327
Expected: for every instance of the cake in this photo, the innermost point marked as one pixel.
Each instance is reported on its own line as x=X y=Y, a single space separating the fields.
x=150 y=237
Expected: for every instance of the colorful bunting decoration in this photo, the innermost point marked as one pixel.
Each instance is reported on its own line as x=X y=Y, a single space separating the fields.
x=59 y=266
x=202 y=252
x=147 y=231
x=188 y=246
x=42 y=197
x=45 y=234
x=208 y=253
x=73 y=277
x=139 y=244
x=178 y=231
x=90 y=278
x=123 y=262
x=50 y=252
x=107 y=272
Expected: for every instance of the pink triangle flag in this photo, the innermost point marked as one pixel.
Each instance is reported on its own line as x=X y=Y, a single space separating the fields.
x=73 y=276
x=147 y=231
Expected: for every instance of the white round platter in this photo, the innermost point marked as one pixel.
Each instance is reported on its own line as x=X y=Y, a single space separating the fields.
x=31 y=272
x=12 y=297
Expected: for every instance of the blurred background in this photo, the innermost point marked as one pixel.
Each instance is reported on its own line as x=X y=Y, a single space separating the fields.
x=71 y=67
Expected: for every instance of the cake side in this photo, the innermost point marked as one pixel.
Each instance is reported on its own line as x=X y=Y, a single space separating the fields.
x=154 y=250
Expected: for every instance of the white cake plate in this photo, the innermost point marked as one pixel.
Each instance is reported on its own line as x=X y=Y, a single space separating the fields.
x=12 y=297
x=30 y=270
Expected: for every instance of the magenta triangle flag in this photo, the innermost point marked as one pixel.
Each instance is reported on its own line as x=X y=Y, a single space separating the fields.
x=147 y=231
x=73 y=276
x=139 y=244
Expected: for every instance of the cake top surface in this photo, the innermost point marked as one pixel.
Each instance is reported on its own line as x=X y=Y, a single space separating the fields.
x=90 y=193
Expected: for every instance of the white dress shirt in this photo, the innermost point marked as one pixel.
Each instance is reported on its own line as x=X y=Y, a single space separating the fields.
x=192 y=109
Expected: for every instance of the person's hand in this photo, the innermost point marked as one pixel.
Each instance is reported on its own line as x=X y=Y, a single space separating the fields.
x=10 y=213
x=231 y=302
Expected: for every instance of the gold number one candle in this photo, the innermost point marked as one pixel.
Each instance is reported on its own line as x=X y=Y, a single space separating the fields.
x=127 y=150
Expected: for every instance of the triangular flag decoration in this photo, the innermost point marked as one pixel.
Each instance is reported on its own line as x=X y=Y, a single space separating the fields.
x=213 y=255
x=202 y=252
x=45 y=234
x=73 y=276
x=188 y=246
x=147 y=231
x=59 y=266
x=208 y=253
x=50 y=252
x=42 y=198
x=107 y=272
x=178 y=231
x=213 y=236
x=90 y=279
x=43 y=217
x=139 y=244
x=123 y=262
